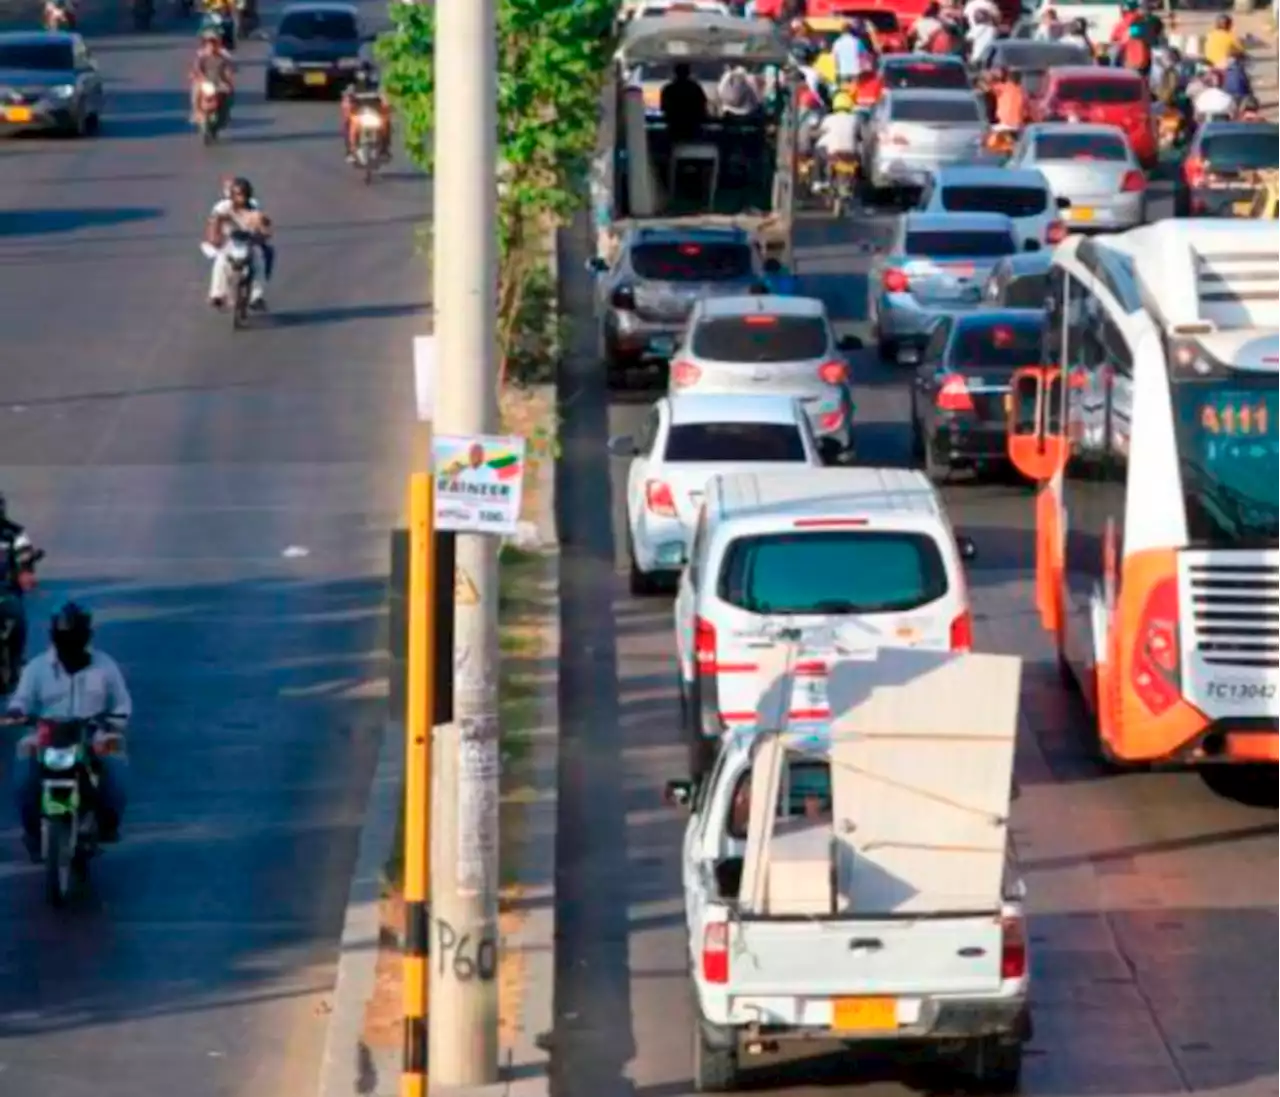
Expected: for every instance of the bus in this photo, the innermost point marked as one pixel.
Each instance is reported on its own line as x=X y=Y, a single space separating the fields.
x=1152 y=434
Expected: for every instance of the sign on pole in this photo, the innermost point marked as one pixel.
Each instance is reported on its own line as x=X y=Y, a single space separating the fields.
x=479 y=482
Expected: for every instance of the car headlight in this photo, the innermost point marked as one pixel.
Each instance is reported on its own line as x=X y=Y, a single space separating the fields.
x=62 y=91
x=284 y=64
x=349 y=63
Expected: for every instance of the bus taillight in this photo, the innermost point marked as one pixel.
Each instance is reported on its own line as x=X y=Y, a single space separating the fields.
x=1157 y=658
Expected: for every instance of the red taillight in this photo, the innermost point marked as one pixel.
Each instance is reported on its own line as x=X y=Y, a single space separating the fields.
x=715 y=953
x=1194 y=171
x=658 y=498
x=684 y=374
x=954 y=395
x=895 y=281
x=1156 y=672
x=704 y=646
x=833 y=373
x=1013 y=948
x=962 y=632
x=44 y=734
x=1133 y=182
x=1055 y=233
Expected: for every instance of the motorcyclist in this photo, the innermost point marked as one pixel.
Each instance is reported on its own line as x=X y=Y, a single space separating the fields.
x=982 y=32
x=264 y=245
x=17 y=572
x=1049 y=28
x=364 y=92
x=238 y=212
x=972 y=7
x=837 y=134
x=72 y=680
x=847 y=51
x=1221 y=43
x=988 y=86
x=1136 y=53
x=1210 y=100
x=59 y=14
x=928 y=25
x=212 y=64
x=1012 y=105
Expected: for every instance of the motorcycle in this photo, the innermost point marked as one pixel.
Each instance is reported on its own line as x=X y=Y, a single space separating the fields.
x=370 y=139
x=143 y=12
x=844 y=184
x=240 y=274
x=59 y=17
x=212 y=111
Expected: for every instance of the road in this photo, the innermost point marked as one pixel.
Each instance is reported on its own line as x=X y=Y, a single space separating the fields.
x=1153 y=899
x=221 y=501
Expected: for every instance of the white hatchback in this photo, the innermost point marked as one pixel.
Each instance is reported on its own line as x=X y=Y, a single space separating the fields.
x=1022 y=194
x=686 y=440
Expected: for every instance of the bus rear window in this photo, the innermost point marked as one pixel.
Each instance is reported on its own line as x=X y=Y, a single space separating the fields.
x=833 y=572
x=960 y=245
x=757 y=338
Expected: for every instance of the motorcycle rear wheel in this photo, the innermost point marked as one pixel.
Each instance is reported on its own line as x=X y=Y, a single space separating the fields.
x=240 y=313
x=59 y=858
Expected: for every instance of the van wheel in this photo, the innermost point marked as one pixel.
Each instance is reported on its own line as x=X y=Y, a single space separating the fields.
x=994 y=1067
x=715 y=1069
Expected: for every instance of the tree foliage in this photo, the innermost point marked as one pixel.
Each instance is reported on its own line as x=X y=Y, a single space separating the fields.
x=552 y=58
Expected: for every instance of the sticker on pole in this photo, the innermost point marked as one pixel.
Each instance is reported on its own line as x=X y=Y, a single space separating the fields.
x=479 y=483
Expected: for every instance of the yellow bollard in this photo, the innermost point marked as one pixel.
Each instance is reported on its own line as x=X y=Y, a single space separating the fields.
x=420 y=706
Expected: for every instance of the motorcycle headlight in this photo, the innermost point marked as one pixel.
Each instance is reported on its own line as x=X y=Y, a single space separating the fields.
x=284 y=64
x=371 y=118
x=60 y=759
x=62 y=91
x=208 y=89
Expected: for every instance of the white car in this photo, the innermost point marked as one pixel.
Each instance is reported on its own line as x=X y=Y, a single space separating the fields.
x=1022 y=194
x=685 y=441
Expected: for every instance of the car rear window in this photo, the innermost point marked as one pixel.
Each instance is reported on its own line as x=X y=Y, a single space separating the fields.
x=1101 y=91
x=691 y=262
x=935 y=110
x=761 y=338
x=926 y=74
x=1011 y=201
x=1081 y=146
x=997 y=344
x=833 y=572
x=735 y=442
x=1026 y=291
x=1241 y=151
x=806 y=791
x=43 y=56
x=331 y=26
x=957 y=244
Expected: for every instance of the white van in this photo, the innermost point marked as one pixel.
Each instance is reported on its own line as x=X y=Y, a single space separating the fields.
x=866 y=549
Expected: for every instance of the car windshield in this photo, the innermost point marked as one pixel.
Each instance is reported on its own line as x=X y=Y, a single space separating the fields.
x=41 y=56
x=1230 y=459
x=1241 y=151
x=332 y=26
x=926 y=74
x=959 y=244
x=691 y=262
x=938 y=111
x=1080 y=146
x=738 y=442
x=1011 y=201
x=833 y=572
x=1106 y=92
x=1026 y=291
x=997 y=344
x=758 y=337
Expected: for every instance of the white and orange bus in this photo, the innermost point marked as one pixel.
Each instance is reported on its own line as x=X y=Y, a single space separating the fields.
x=1157 y=568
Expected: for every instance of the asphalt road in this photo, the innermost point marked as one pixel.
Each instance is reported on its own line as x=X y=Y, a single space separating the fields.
x=221 y=501
x=1154 y=899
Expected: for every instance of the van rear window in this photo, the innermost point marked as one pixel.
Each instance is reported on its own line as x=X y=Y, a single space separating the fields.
x=832 y=572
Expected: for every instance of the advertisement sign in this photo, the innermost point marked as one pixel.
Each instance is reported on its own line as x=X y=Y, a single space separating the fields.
x=479 y=483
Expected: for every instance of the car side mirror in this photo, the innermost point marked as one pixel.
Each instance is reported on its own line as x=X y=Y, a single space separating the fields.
x=1031 y=245
x=679 y=793
x=1064 y=203
x=772 y=265
x=596 y=265
x=622 y=446
x=968 y=550
x=849 y=342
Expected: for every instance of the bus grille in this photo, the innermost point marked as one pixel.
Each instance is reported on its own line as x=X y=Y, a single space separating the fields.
x=1235 y=608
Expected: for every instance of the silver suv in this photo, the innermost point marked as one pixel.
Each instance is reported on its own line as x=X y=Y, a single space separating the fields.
x=643 y=301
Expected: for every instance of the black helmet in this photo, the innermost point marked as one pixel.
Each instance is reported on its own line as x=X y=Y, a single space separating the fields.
x=72 y=623
x=365 y=76
x=240 y=183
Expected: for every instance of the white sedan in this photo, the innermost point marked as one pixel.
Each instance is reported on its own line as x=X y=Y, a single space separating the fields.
x=685 y=440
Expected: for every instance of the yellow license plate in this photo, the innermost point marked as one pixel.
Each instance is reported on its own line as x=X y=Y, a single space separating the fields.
x=864 y=1014
x=316 y=79
x=1082 y=213
x=17 y=114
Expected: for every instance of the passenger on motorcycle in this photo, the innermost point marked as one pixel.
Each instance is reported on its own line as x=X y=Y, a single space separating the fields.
x=837 y=135
x=927 y=26
x=17 y=564
x=982 y=32
x=214 y=65
x=847 y=51
x=238 y=212
x=1012 y=106
x=71 y=681
x=1211 y=101
x=364 y=92
x=1235 y=79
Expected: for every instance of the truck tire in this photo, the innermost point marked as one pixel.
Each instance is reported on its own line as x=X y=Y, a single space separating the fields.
x=994 y=1066
x=715 y=1069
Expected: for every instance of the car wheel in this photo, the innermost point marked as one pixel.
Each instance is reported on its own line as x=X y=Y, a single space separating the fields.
x=994 y=1067
x=272 y=91
x=888 y=348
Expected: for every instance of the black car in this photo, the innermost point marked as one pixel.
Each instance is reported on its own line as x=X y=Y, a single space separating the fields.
x=960 y=397
x=1018 y=281
x=1223 y=165
x=48 y=81
x=316 y=49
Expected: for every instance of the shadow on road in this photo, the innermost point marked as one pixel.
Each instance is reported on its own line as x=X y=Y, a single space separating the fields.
x=41 y=222
x=340 y=315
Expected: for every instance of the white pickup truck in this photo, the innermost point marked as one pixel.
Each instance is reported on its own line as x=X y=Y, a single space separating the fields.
x=878 y=902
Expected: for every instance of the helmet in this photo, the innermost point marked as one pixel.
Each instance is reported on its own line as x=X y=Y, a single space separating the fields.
x=365 y=75
x=842 y=103
x=71 y=623
x=1135 y=30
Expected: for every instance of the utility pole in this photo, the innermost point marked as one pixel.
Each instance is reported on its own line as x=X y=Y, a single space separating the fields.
x=463 y=1007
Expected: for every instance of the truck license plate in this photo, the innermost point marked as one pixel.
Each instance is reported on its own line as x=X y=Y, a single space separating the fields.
x=864 y=1014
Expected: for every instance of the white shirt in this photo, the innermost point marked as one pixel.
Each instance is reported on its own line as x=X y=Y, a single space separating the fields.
x=1213 y=101
x=46 y=689
x=811 y=78
x=925 y=28
x=974 y=6
x=837 y=135
x=981 y=35
x=847 y=51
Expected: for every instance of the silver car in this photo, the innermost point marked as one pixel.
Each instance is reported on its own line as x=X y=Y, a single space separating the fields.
x=935 y=265
x=771 y=345
x=1092 y=171
x=914 y=133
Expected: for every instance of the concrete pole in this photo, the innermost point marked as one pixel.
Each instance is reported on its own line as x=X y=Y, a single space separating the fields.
x=463 y=1007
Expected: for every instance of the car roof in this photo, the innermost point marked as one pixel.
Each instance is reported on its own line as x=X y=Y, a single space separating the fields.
x=990 y=176
x=919 y=94
x=746 y=303
x=36 y=37
x=1092 y=72
x=985 y=317
x=675 y=234
x=964 y=222
x=334 y=6
x=789 y=495
x=896 y=59
x=708 y=407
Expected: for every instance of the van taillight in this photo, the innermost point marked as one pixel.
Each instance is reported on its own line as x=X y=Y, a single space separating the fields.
x=1157 y=658
x=962 y=632
x=953 y=395
x=715 y=953
x=704 y=646
x=1013 y=948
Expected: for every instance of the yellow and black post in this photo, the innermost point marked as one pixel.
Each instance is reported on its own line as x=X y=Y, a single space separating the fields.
x=419 y=715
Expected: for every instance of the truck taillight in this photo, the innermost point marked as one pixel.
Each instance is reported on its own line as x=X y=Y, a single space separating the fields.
x=1013 y=948
x=704 y=646
x=1156 y=673
x=953 y=395
x=962 y=632
x=715 y=953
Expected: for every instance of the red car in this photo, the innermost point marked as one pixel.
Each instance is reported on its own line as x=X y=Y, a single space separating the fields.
x=1113 y=97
